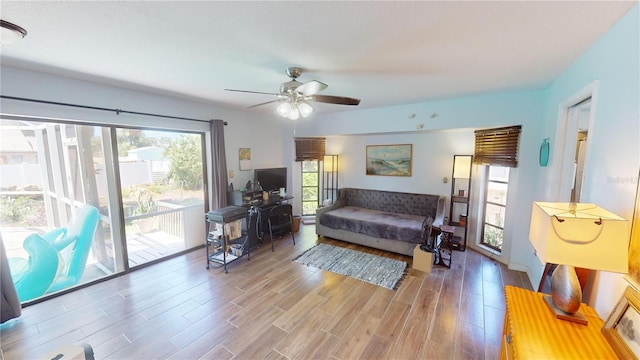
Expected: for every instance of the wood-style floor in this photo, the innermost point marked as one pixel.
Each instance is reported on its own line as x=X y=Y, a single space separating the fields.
x=273 y=308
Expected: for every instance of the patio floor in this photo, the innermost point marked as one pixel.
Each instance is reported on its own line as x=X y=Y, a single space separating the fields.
x=142 y=248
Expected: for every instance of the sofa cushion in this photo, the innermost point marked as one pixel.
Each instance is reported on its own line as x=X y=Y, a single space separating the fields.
x=391 y=201
x=376 y=223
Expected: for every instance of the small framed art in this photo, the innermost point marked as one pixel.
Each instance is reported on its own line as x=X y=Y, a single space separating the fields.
x=623 y=325
x=244 y=155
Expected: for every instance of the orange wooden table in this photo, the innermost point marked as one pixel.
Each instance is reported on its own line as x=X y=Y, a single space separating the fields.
x=532 y=332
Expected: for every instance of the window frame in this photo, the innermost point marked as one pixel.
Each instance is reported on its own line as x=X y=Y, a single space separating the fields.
x=485 y=202
x=302 y=186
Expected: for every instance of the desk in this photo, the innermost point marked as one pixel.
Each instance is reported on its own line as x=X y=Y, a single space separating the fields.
x=254 y=198
x=273 y=201
x=263 y=207
x=532 y=332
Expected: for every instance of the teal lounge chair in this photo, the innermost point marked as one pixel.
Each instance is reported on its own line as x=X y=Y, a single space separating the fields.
x=74 y=245
x=33 y=277
x=56 y=259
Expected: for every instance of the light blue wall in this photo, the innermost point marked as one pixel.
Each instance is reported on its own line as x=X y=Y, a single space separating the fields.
x=614 y=138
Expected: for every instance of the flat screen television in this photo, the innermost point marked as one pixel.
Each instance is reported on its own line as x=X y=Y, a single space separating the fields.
x=271 y=179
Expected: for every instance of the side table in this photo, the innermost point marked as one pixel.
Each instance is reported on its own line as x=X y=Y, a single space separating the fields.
x=531 y=331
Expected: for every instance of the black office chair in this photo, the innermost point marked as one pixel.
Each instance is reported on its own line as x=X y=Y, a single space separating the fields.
x=280 y=221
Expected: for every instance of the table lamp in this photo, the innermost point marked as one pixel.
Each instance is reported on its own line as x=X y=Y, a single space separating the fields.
x=576 y=235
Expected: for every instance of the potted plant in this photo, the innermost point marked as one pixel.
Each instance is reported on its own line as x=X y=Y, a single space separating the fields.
x=144 y=205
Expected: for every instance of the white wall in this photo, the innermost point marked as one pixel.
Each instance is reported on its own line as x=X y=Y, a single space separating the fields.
x=20 y=175
x=264 y=134
x=432 y=160
x=614 y=157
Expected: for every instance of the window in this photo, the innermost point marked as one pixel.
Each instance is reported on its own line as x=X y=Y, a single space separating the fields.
x=310 y=186
x=495 y=204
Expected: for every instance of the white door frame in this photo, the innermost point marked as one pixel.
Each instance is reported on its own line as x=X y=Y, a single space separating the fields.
x=562 y=170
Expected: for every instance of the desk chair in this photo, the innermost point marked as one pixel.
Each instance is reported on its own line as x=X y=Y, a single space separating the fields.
x=280 y=221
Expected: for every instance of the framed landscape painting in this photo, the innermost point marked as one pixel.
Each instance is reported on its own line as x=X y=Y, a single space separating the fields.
x=389 y=160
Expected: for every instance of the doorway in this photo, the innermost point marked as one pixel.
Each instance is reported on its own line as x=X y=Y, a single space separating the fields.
x=572 y=148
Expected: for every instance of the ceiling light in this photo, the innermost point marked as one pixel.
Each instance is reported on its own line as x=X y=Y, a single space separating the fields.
x=10 y=33
x=294 y=114
x=284 y=109
x=305 y=109
x=293 y=109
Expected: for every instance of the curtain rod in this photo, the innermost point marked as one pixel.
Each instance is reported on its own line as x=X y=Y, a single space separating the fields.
x=117 y=111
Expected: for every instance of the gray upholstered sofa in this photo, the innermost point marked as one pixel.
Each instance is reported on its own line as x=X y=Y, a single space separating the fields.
x=387 y=220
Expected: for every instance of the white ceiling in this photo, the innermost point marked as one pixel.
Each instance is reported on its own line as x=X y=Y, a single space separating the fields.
x=385 y=53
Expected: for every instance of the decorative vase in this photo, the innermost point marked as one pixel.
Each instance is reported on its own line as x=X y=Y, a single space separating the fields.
x=565 y=289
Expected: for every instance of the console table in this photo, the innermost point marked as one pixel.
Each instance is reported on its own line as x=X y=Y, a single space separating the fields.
x=531 y=332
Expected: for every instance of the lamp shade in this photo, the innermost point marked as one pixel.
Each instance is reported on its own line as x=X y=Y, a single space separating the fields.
x=329 y=165
x=462 y=167
x=580 y=235
x=305 y=109
x=294 y=114
x=284 y=109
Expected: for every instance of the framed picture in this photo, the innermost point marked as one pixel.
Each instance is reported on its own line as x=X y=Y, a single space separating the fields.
x=389 y=160
x=634 y=243
x=623 y=326
x=244 y=154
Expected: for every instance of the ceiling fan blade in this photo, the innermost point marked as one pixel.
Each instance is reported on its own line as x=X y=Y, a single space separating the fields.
x=340 y=100
x=264 y=103
x=311 y=87
x=252 y=92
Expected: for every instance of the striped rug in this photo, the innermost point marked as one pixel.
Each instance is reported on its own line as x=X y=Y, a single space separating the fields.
x=374 y=269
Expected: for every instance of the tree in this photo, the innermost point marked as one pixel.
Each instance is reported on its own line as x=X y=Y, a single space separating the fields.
x=132 y=139
x=185 y=154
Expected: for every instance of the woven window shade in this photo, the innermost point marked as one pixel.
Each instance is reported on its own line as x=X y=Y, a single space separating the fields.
x=497 y=146
x=310 y=148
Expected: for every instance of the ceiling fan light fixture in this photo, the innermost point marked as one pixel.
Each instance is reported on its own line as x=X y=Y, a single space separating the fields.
x=305 y=109
x=294 y=114
x=10 y=33
x=284 y=109
x=294 y=96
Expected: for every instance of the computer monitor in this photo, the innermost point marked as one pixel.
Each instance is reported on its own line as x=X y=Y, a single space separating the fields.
x=271 y=179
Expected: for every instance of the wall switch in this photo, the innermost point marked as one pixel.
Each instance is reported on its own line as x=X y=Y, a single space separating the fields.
x=230 y=174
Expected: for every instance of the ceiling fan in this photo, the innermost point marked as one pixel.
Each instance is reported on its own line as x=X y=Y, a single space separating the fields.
x=294 y=96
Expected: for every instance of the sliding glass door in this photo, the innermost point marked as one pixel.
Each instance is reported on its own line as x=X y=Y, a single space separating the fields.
x=162 y=192
x=145 y=186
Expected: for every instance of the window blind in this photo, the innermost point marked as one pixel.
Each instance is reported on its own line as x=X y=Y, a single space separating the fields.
x=310 y=148
x=497 y=146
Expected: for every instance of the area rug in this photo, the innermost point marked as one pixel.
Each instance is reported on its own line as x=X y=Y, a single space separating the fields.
x=374 y=269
